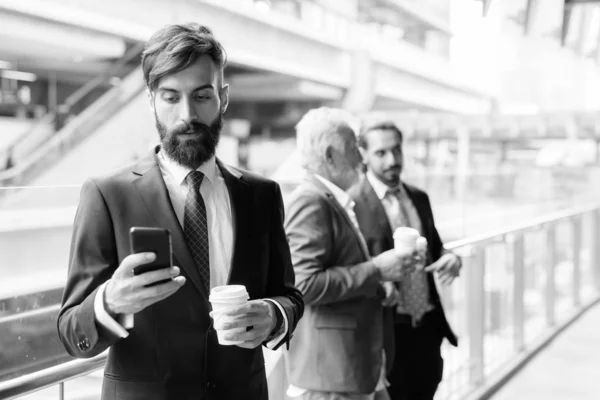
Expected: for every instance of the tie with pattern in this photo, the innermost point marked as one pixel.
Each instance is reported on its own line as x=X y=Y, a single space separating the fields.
x=414 y=289
x=195 y=227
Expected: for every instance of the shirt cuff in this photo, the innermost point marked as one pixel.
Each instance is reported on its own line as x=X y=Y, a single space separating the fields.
x=275 y=341
x=104 y=319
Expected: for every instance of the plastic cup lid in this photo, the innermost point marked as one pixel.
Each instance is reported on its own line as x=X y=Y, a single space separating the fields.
x=227 y=292
x=406 y=232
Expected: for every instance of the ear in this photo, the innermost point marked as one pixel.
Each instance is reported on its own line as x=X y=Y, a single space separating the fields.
x=224 y=96
x=363 y=154
x=329 y=155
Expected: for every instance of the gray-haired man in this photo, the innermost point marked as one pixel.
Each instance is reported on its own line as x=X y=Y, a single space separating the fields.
x=338 y=349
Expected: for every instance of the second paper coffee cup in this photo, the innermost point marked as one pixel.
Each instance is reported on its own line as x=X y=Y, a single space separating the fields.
x=225 y=297
x=405 y=240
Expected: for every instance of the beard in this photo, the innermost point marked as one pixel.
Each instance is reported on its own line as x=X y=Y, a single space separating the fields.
x=194 y=151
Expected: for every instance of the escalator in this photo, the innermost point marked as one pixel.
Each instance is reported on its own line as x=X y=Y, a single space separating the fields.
x=79 y=118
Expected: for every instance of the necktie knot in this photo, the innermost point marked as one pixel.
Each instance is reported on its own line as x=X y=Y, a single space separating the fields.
x=393 y=192
x=194 y=180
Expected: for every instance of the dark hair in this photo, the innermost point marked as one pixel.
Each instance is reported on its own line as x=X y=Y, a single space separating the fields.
x=377 y=126
x=175 y=47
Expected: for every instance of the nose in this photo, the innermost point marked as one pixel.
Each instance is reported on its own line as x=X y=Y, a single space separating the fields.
x=389 y=158
x=187 y=111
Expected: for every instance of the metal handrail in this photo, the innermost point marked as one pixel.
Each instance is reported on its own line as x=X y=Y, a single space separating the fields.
x=29 y=383
x=29 y=314
x=86 y=89
x=23 y=385
x=532 y=224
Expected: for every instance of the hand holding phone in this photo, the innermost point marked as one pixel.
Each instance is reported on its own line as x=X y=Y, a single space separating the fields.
x=144 y=277
x=154 y=240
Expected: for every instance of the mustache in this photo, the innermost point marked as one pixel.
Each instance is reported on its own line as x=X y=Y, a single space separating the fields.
x=191 y=127
x=393 y=168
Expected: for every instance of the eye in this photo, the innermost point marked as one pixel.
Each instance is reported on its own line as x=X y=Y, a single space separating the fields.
x=379 y=153
x=170 y=99
x=202 y=96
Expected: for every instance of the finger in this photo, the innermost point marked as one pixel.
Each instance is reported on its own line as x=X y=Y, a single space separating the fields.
x=446 y=278
x=150 y=277
x=242 y=335
x=432 y=268
x=251 y=345
x=158 y=292
x=250 y=307
x=226 y=322
x=132 y=261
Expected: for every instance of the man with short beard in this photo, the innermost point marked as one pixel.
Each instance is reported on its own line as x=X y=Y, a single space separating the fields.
x=226 y=227
x=383 y=204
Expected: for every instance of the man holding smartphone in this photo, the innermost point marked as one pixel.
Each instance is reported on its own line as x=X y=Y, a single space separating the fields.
x=226 y=227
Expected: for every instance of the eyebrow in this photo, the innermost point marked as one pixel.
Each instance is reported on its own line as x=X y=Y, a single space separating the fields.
x=171 y=90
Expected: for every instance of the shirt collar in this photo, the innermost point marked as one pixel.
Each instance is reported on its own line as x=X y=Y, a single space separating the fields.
x=379 y=187
x=341 y=197
x=179 y=172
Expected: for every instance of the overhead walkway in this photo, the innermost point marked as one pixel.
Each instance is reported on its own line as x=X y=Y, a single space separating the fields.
x=347 y=55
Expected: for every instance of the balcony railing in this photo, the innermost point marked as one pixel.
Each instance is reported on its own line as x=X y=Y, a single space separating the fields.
x=519 y=287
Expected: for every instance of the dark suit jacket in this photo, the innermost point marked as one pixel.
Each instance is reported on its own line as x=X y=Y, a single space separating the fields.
x=377 y=231
x=172 y=352
x=338 y=344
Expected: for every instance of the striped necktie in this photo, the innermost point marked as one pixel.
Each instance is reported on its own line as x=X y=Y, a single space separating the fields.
x=195 y=227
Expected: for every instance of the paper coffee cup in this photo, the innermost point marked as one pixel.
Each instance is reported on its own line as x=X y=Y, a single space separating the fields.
x=223 y=298
x=405 y=240
x=421 y=244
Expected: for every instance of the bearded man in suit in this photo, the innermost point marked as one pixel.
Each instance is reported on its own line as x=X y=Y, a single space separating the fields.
x=384 y=203
x=226 y=226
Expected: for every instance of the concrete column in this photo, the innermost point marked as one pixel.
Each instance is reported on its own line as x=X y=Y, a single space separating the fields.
x=360 y=96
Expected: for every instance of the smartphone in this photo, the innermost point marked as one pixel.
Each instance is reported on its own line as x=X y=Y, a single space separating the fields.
x=155 y=240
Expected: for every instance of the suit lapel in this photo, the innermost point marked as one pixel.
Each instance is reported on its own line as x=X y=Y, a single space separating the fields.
x=155 y=197
x=240 y=199
x=420 y=211
x=380 y=218
x=322 y=188
x=425 y=225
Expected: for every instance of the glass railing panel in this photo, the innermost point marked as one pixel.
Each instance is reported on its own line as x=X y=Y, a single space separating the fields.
x=85 y=387
x=563 y=273
x=456 y=359
x=534 y=285
x=588 y=246
x=498 y=303
x=35 y=234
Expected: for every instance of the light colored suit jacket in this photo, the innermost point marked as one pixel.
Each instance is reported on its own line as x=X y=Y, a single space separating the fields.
x=338 y=344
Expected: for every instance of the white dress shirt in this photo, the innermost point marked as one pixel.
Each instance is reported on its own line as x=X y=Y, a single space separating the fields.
x=381 y=190
x=220 y=231
x=348 y=205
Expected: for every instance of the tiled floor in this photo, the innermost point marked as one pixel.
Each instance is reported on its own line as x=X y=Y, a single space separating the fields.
x=568 y=369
